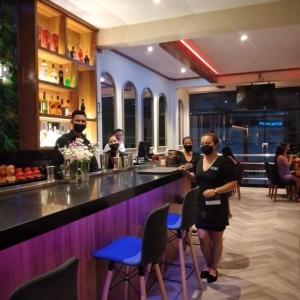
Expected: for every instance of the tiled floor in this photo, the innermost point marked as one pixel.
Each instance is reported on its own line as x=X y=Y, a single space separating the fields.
x=261 y=258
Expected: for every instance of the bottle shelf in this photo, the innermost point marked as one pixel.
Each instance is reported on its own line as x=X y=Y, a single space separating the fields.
x=49 y=118
x=59 y=59
x=54 y=57
x=55 y=87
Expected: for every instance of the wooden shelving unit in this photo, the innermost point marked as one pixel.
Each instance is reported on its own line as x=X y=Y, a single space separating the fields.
x=48 y=38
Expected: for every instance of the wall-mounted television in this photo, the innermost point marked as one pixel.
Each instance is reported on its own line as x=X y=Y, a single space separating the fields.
x=256 y=96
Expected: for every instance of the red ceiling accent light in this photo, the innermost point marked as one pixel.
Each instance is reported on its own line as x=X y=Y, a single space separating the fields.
x=195 y=51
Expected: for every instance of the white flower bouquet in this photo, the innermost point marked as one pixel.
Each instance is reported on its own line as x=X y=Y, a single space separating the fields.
x=77 y=155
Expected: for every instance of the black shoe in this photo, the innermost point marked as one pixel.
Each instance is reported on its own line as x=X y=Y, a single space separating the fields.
x=204 y=274
x=212 y=278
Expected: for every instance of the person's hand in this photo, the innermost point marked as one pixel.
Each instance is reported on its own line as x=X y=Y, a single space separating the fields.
x=182 y=168
x=209 y=193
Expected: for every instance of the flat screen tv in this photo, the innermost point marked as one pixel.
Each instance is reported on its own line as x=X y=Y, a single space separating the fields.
x=258 y=96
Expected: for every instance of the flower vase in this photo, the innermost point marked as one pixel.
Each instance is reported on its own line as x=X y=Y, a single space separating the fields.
x=67 y=169
x=85 y=169
x=73 y=167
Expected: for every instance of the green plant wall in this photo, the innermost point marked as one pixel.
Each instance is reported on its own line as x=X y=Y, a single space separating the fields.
x=8 y=88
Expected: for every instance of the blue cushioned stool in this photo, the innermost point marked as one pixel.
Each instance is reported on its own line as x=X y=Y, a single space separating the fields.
x=180 y=225
x=138 y=252
x=58 y=284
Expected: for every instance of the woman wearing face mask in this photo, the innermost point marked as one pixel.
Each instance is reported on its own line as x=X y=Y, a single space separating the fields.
x=188 y=155
x=215 y=177
x=114 y=151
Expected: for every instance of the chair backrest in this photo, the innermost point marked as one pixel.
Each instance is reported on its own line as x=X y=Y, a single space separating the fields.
x=155 y=235
x=58 y=284
x=267 y=168
x=274 y=175
x=239 y=172
x=189 y=208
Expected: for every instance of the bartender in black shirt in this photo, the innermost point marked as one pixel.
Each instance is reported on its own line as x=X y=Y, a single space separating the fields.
x=78 y=123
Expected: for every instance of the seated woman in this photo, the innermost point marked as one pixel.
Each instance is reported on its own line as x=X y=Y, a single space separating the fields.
x=283 y=163
x=114 y=151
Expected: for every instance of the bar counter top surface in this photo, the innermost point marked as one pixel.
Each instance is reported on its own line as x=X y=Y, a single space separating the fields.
x=26 y=214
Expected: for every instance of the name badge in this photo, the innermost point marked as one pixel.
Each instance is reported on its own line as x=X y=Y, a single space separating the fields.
x=213 y=168
x=212 y=202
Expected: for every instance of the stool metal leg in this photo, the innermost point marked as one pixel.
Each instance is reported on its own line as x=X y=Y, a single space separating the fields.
x=160 y=282
x=126 y=283
x=142 y=284
x=193 y=253
x=107 y=281
x=182 y=266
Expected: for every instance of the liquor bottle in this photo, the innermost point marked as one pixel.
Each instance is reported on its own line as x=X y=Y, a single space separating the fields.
x=86 y=59
x=67 y=78
x=80 y=54
x=67 y=108
x=52 y=104
x=58 y=106
x=63 y=107
x=73 y=53
x=43 y=70
x=40 y=105
x=45 y=105
x=53 y=75
x=61 y=75
x=82 y=106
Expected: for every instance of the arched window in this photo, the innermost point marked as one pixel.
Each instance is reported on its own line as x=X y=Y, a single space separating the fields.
x=180 y=122
x=162 y=105
x=147 y=118
x=129 y=98
x=108 y=102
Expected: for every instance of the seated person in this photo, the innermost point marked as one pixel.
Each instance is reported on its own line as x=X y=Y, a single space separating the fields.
x=114 y=151
x=188 y=155
x=119 y=134
x=283 y=163
x=78 y=123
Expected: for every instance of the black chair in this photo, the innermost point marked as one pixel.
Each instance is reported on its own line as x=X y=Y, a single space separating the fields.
x=180 y=225
x=130 y=251
x=58 y=284
x=276 y=182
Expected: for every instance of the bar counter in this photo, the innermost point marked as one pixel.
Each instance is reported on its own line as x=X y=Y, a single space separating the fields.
x=44 y=225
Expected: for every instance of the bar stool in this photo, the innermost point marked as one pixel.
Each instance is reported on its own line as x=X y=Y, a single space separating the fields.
x=58 y=284
x=181 y=224
x=138 y=252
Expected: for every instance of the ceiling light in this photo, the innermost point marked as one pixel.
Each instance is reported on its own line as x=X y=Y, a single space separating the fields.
x=243 y=38
x=102 y=79
x=188 y=46
x=156 y=1
x=150 y=49
x=182 y=70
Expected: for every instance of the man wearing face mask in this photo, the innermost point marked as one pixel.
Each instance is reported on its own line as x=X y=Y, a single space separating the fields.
x=78 y=124
x=114 y=151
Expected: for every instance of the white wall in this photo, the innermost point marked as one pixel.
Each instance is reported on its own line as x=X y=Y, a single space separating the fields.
x=122 y=70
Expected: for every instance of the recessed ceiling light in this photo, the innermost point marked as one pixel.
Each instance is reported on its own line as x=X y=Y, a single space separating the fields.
x=156 y=1
x=182 y=70
x=150 y=49
x=243 y=38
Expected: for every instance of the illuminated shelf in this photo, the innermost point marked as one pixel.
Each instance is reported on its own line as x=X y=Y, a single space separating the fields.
x=46 y=85
x=46 y=117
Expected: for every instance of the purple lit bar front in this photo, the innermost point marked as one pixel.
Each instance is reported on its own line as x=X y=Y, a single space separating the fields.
x=40 y=254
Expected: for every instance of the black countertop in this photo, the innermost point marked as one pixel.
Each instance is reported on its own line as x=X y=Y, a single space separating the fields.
x=28 y=213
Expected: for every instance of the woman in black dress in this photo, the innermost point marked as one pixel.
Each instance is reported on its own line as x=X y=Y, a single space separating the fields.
x=215 y=177
x=114 y=151
x=188 y=155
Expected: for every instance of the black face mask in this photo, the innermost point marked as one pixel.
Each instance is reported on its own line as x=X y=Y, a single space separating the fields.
x=114 y=146
x=188 y=148
x=207 y=149
x=79 y=127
